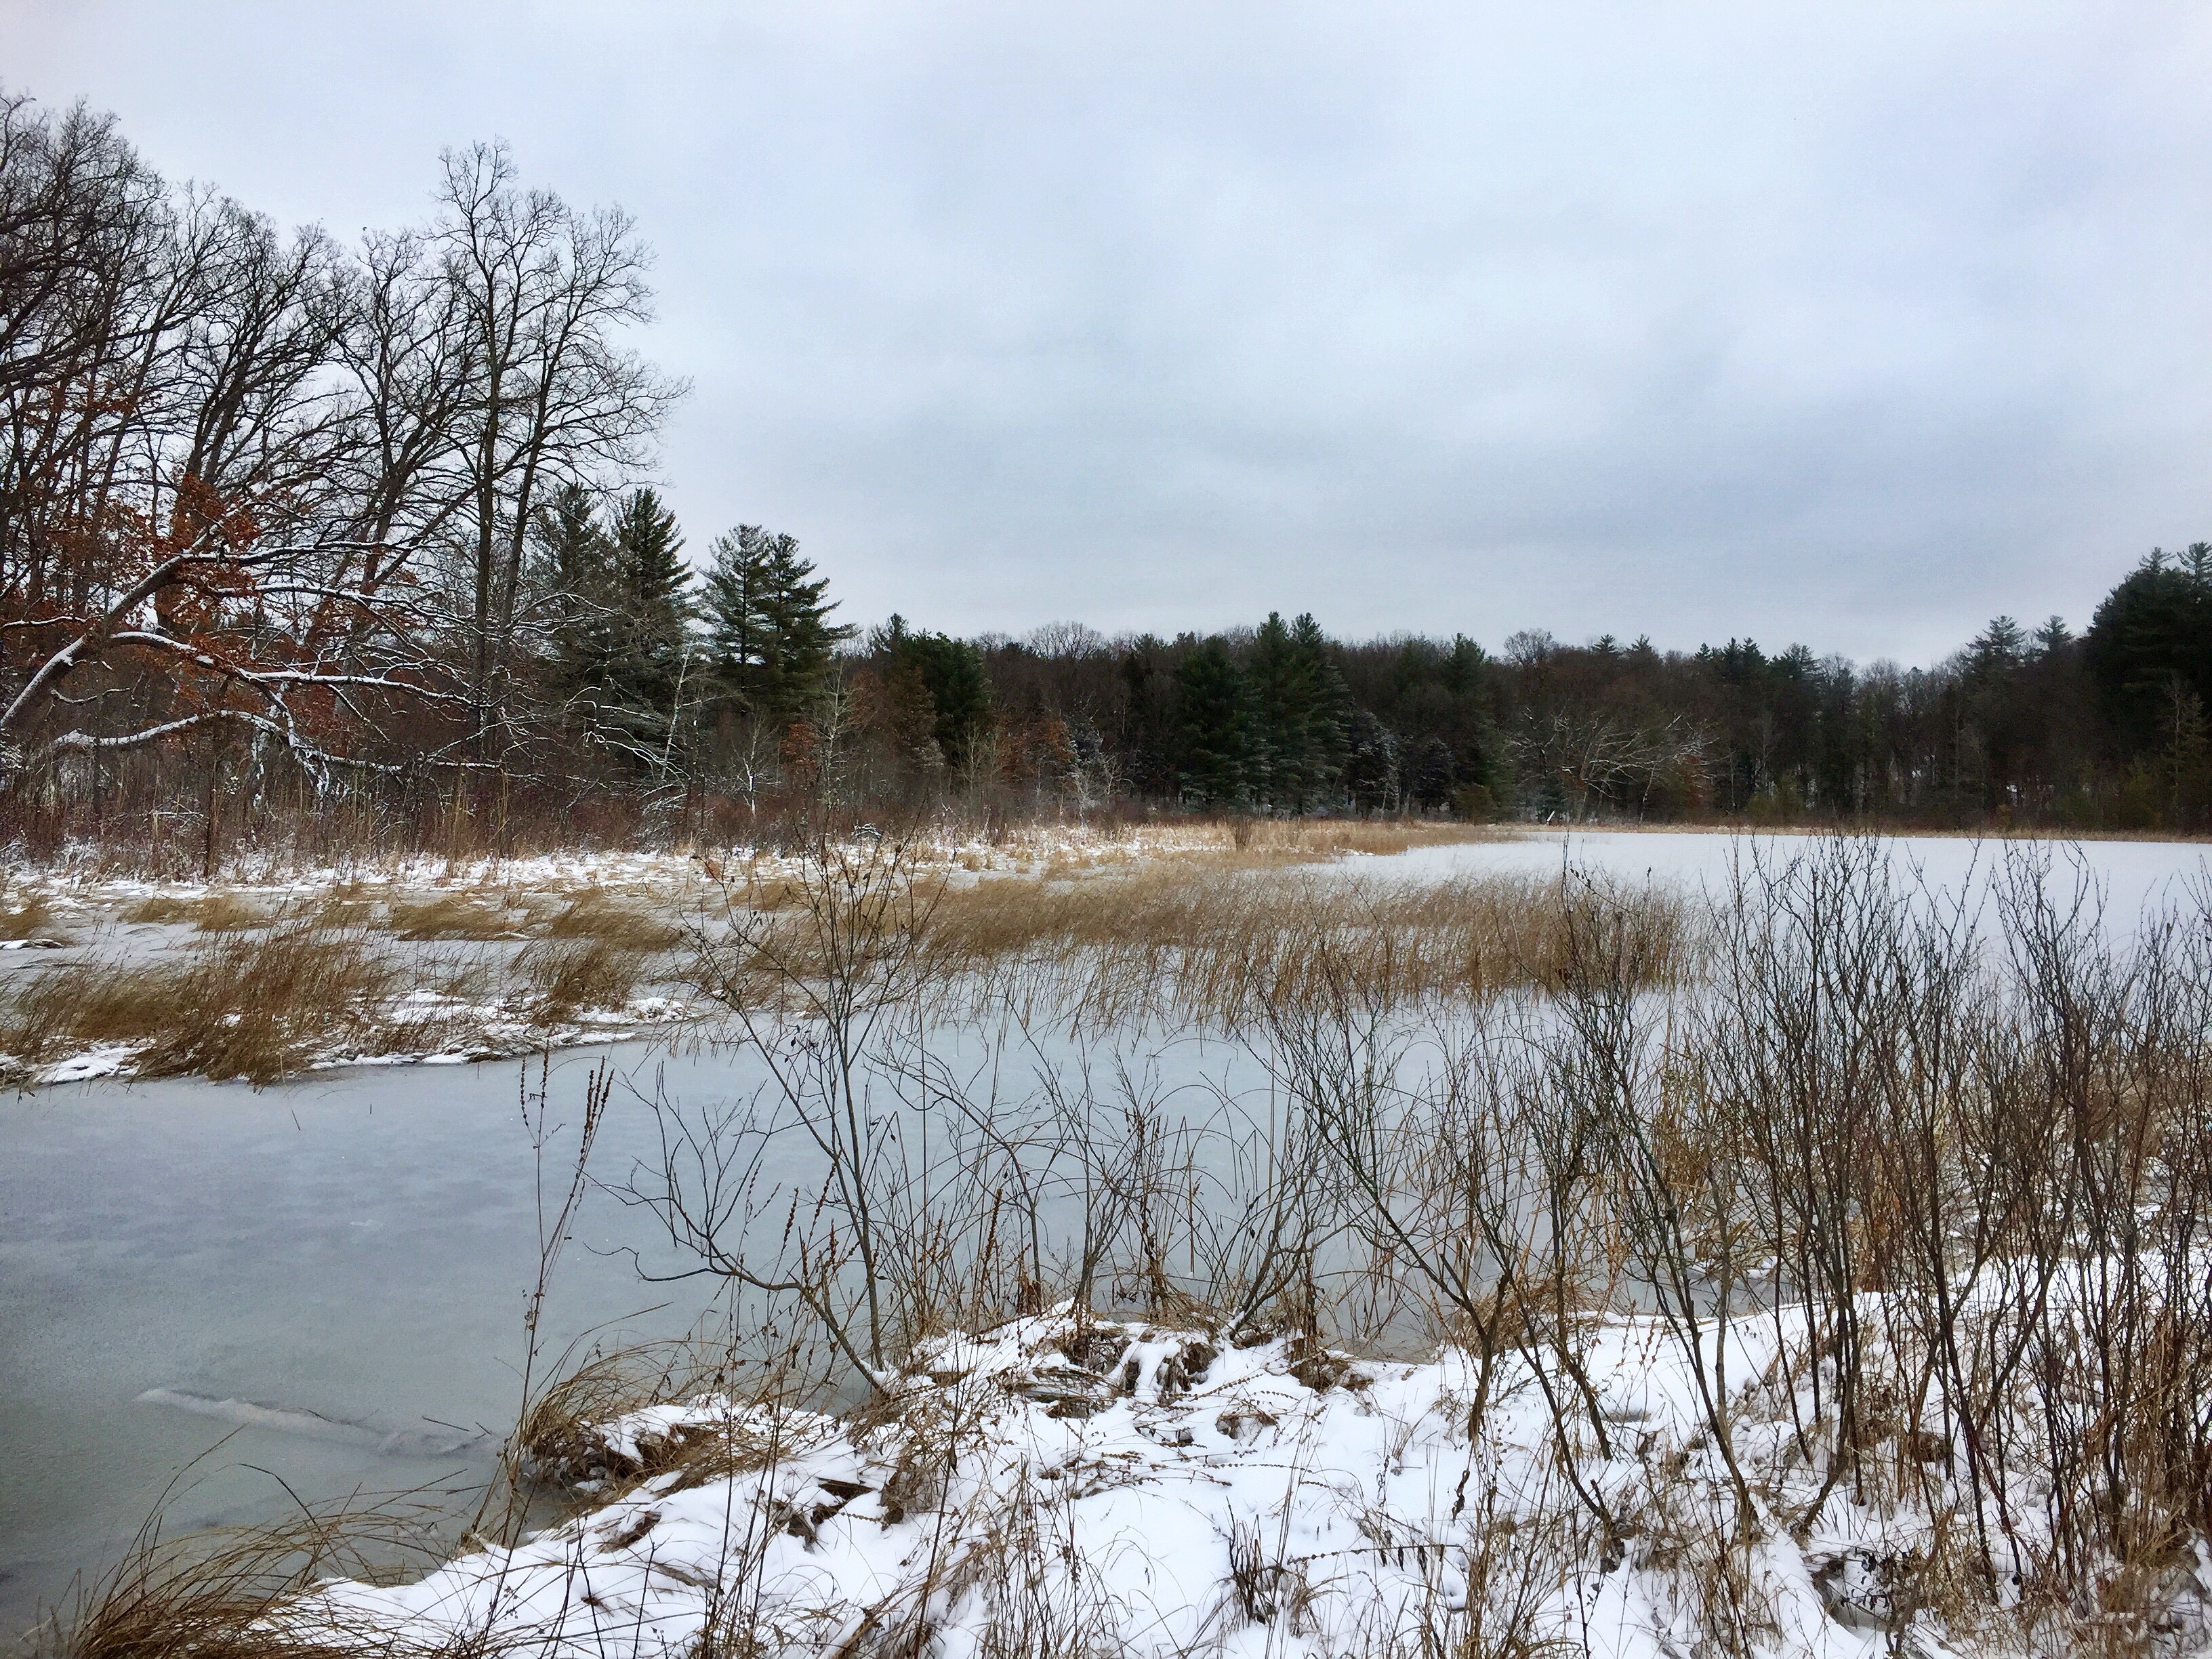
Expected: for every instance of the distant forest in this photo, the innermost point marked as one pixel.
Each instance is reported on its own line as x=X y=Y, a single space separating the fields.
x=358 y=539
x=2103 y=731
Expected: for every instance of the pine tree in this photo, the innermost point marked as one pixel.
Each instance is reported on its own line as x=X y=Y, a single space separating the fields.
x=771 y=643
x=1213 y=728
x=799 y=642
x=2189 y=753
x=1999 y=646
x=734 y=592
x=652 y=587
x=1284 y=763
x=1463 y=664
x=959 y=688
x=574 y=570
x=1370 y=771
x=1328 y=720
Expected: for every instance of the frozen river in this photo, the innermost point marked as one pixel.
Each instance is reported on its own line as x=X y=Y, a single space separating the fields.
x=2132 y=873
x=350 y=1251
x=332 y=1273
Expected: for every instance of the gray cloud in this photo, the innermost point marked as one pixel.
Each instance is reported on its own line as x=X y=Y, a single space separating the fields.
x=1854 y=327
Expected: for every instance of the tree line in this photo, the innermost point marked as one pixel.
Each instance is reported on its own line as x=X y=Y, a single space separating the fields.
x=788 y=709
x=283 y=519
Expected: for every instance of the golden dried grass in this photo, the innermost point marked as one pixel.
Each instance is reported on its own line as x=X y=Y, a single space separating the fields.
x=256 y=1006
x=243 y=1593
x=596 y=914
x=463 y=916
x=562 y=978
x=1226 y=951
x=560 y=1435
x=33 y=918
x=1251 y=844
x=347 y=906
x=1267 y=842
x=1223 y=946
x=219 y=912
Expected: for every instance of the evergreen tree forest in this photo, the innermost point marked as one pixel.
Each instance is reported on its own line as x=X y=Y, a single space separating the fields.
x=2102 y=731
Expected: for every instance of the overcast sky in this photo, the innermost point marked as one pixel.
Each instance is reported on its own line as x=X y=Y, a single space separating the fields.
x=1852 y=324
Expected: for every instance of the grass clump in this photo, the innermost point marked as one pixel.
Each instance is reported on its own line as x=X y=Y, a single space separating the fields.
x=453 y=916
x=593 y=915
x=563 y=1435
x=239 y=1594
x=1221 y=947
x=211 y=913
x=1182 y=940
x=32 y=918
x=564 y=977
x=256 y=1006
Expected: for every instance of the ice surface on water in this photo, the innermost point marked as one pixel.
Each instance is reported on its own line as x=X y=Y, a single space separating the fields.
x=2134 y=875
x=277 y=1419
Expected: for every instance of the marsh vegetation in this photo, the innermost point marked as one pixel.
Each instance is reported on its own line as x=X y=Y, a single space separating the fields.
x=1827 y=1253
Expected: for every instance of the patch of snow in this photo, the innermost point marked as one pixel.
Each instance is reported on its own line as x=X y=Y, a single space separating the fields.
x=1064 y=1485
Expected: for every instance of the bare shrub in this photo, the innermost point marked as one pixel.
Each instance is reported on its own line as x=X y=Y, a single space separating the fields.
x=1943 y=1171
x=811 y=994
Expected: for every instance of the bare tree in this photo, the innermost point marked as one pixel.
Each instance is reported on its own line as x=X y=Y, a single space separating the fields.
x=239 y=465
x=544 y=292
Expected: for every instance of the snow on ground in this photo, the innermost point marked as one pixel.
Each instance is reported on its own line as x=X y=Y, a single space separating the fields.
x=420 y=1029
x=79 y=879
x=1060 y=1486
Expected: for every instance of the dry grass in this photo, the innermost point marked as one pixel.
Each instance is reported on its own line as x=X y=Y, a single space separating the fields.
x=33 y=918
x=1198 y=940
x=1276 y=841
x=240 y=1005
x=264 y=1002
x=560 y=1440
x=565 y=977
x=454 y=916
x=594 y=915
x=347 y=906
x=1223 y=948
x=1239 y=843
x=76 y=1005
x=221 y=912
x=162 y=910
x=236 y=1594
